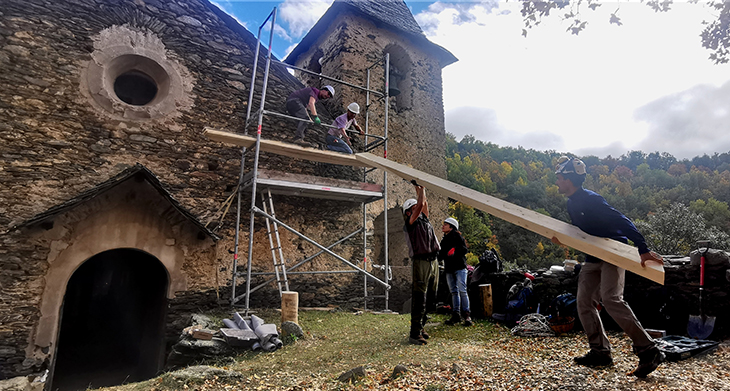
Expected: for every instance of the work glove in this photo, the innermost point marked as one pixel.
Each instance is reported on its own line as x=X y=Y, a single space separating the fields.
x=451 y=252
x=317 y=120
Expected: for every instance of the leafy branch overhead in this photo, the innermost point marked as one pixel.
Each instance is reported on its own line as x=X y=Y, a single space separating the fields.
x=713 y=37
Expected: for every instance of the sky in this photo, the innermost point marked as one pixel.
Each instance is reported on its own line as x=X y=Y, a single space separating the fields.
x=644 y=85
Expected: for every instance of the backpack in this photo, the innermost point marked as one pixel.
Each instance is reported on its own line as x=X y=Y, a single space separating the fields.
x=563 y=305
x=489 y=262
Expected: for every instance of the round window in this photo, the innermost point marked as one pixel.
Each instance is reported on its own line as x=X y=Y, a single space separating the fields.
x=132 y=76
x=135 y=88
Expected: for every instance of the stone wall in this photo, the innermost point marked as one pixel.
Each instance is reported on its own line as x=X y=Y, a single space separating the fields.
x=62 y=133
x=415 y=122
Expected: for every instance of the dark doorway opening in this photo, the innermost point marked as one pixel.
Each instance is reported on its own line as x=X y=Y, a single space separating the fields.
x=112 y=322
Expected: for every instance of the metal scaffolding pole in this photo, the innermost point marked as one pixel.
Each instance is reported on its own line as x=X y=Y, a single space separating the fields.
x=364 y=206
x=256 y=162
x=305 y=260
x=325 y=249
x=385 y=173
x=380 y=140
x=239 y=188
x=329 y=78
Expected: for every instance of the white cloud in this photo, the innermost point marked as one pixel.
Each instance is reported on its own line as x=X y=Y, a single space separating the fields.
x=690 y=123
x=302 y=15
x=582 y=89
x=227 y=7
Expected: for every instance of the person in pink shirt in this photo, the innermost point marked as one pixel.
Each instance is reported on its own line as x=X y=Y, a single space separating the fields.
x=337 y=138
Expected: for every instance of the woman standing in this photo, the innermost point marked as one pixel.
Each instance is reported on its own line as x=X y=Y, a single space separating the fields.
x=453 y=254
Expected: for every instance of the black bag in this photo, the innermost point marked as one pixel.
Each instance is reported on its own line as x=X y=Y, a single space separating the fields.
x=489 y=262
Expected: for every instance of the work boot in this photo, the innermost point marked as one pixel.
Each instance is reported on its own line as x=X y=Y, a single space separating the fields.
x=455 y=318
x=417 y=340
x=467 y=319
x=649 y=360
x=424 y=334
x=594 y=358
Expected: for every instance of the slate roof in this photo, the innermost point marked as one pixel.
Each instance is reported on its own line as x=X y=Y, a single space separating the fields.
x=390 y=14
x=131 y=172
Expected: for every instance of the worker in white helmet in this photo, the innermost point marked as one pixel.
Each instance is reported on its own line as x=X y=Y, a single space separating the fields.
x=337 y=138
x=423 y=246
x=453 y=254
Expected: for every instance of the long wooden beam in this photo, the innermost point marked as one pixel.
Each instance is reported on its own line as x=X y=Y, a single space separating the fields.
x=617 y=253
x=285 y=149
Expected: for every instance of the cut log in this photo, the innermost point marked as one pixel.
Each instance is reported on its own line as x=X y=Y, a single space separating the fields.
x=612 y=251
x=485 y=291
x=290 y=307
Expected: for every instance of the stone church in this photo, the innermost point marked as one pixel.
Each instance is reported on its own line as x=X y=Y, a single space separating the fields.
x=113 y=206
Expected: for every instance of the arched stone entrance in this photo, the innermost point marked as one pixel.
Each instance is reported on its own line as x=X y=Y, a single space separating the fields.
x=112 y=321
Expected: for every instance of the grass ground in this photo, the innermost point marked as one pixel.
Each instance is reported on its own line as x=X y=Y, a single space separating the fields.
x=482 y=357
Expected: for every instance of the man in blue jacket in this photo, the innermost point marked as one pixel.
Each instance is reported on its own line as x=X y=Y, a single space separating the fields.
x=602 y=282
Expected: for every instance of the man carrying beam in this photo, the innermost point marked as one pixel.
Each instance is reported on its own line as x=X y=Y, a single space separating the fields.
x=601 y=281
x=423 y=246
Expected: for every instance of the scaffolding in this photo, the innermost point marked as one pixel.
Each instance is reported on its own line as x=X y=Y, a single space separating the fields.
x=272 y=185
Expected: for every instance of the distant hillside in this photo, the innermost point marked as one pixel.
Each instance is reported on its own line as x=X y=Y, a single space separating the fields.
x=645 y=187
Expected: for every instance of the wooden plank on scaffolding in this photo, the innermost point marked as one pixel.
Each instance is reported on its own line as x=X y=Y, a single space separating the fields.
x=612 y=251
x=285 y=149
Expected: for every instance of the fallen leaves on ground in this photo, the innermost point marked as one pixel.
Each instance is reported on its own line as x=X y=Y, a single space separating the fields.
x=485 y=357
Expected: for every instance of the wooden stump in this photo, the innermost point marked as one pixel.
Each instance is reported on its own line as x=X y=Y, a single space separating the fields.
x=290 y=307
x=485 y=291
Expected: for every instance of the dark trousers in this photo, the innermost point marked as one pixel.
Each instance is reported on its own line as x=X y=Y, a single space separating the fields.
x=295 y=108
x=425 y=278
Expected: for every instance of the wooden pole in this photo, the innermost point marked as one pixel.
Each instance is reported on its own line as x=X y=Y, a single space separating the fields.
x=486 y=293
x=609 y=250
x=290 y=307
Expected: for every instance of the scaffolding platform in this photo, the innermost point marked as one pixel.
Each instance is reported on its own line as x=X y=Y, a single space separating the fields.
x=301 y=185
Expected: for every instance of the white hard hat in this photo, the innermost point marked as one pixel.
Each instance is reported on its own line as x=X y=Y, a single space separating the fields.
x=453 y=222
x=354 y=107
x=567 y=165
x=330 y=89
x=408 y=204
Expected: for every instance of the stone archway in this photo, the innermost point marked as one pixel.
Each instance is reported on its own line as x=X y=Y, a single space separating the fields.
x=112 y=321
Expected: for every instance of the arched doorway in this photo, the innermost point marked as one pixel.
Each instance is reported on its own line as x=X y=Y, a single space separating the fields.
x=112 y=321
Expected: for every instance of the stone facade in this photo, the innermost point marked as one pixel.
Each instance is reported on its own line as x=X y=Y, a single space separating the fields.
x=66 y=128
x=416 y=135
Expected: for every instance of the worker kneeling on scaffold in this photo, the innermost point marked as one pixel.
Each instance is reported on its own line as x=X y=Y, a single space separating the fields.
x=299 y=101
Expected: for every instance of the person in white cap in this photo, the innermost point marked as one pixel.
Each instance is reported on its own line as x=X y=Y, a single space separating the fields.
x=423 y=247
x=299 y=101
x=601 y=281
x=453 y=254
x=337 y=138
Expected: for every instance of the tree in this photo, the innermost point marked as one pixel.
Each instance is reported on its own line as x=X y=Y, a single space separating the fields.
x=676 y=229
x=715 y=36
